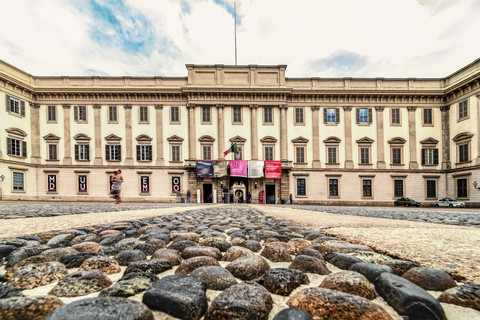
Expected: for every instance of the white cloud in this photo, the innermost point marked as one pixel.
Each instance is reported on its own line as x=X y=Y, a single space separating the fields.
x=394 y=38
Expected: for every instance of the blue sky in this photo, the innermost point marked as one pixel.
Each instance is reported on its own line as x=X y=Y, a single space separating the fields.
x=314 y=38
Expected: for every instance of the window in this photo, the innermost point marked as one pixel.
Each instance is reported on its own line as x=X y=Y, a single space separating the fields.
x=463 y=153
x=206 y=114
x=427 y=117
x=429 y=157
x=113 y=152
x=82 y=152
x=299 y=116
x=331 y=115
x=431 y=188
x=237 y=114
x=143 y=117
x=300 y=154
x=51 y=183
x=145 y=184
x=364 y=115
x=18 y=181
x=80 y=113
x=239 y=154
x=52 y=151
x=15 y=105
x=144 y=153
x=332 y=155
x=52 y=113
x=367 y=188
x=398 y=188
x=462 y=190
x=395 y=116
x=396 y=155
x=333 y=187
x=268 y=115
x=16 y=147
x=207 y=152
x=301 y=187
x=365 y=155
x=463 y=109
x=112 y=114
x=175 y=153
x=82 y=183
x=175 y=114
x=268 y=153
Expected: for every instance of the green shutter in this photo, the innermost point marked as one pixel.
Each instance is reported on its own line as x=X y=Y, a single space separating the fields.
x=138 y=153
x=370 y=115
x=77 y=152
x=357 y=114
x=435 y=156
x=24 y=149
x=324 y=115
x=7 y=102
x=75 y=113
x=107 y=152
x=120 y=153
x=423 y=156
x=150 y=156
x=9 y=146
x=87 y=152
x=337 y=115
x=22 y=108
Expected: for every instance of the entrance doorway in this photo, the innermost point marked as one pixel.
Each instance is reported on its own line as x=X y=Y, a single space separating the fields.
x=270 y=193
x=238 y=185
x=207 y=193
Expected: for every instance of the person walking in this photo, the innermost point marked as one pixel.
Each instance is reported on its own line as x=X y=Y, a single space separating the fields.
x=117 y=180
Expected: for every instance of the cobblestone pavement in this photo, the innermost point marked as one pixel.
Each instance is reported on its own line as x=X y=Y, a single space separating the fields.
x=450 y=216
x=21 y=209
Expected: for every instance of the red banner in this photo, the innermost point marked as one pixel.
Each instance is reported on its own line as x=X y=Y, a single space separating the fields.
x=273 y=169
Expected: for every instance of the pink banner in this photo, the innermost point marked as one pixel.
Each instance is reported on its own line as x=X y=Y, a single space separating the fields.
x=273 y=169
x=238 y=168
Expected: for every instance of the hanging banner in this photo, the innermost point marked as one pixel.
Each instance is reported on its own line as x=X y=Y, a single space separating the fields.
x=204 y=169
x=255 y=169
x=273 y=169
x=219 y=169
x=238 y=168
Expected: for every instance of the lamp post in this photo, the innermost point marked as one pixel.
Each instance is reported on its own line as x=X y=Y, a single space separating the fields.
x=2 y=177
x=475 y=184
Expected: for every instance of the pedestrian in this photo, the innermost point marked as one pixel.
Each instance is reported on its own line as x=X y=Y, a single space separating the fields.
x=117 y=180
x=249 y=197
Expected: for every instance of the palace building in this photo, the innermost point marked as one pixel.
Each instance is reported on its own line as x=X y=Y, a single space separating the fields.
x=345 y=141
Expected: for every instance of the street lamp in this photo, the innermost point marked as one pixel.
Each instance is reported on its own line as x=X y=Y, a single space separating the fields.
x=475 y=184
x=2 y=177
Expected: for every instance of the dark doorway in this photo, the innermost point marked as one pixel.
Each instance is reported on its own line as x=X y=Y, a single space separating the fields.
x=207 y=193
x=270 y=193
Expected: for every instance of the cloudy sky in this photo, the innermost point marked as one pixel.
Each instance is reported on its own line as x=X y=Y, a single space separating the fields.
x=315 y=38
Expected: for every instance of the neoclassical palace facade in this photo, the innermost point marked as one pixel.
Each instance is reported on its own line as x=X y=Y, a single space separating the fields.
x=337 y=140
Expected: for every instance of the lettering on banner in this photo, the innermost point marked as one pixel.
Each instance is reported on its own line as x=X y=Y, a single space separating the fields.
x=82 y=183
x=145 y=184
x=175 y=184
x=52 y=182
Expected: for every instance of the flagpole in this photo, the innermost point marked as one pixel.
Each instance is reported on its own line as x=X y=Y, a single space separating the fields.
x=235 y=27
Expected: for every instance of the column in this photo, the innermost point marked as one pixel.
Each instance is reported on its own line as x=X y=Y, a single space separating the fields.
x=159 y=133
x=446 y=164
x=412 y=137
x=191 y=132
x=316 y=137
x=128 y=134
x=348 y=136
x=35 y=131
x=98 y=134
x=254 y=131
x=380 y=143
x=283 y=133
x=67 y=159
x=220 y=131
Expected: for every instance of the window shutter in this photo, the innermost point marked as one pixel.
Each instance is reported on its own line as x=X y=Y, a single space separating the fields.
x=22 y=108
x=150 y=157
x=423 y=156
x=119 y=153
x=7 y=102
x=324 y=115
x=370 y=115
x=357 y=113
x=75 y=113
x=77 y=152
x=337 y=115
x=87 y=152
x=435 y=156
x=24 y=149
x=138 y=153
x=9 y=146
x=107 y=152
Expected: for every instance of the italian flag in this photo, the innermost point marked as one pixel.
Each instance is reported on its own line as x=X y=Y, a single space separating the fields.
x=233 y=148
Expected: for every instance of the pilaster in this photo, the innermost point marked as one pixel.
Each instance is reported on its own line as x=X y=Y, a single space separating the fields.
x=283 y=133
x=128 y=134
x=98 y=160
x=220 y=131
x=67 y=144
x=316 y=137
x=254 y=131
x=35 y=131
x=412 y=137
x=478 y=129
x=446 y=164
x=348 y=136
x=191 y=132
x=380 y=139
x=159 y=134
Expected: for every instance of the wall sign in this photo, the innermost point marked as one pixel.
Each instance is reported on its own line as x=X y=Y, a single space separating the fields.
x=52 y=182
x=82 y=183
x=144 y=184
x=175 y=184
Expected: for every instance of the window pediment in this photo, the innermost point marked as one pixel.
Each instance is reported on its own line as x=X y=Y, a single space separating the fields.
x=16 y=131
x=238 y=139
x=175 y=138
x=429 y=141
x=51 y=137
x=397 y=140
x=300 y=140
x=143 y=138
x=332 y=140
x=365 y=140
x=82 y=137
x=462 y=136
x=268 y=139
x=206 y=138
x=112 y=137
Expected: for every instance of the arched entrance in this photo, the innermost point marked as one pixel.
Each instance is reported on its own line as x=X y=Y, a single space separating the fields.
x=239 y=187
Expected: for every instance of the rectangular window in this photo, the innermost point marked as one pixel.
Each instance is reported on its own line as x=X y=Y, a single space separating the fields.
x=174 y=114
x=364 y=115
x=268 y=153
x=299 y=119
x=301 y=187
x=206 y=114
x=144 y=153
x=431 y=188
x=396 y=155
x=462 y=191
x=143 y=114
x=16 y=147
x=52 y=114
x=427 y=116
x=80 y=113
x=18 y=181
x=365 y=155
x=398 y=188
x=367 y=188
x=239 y=154
x=52 y=152
x=112 y=114
x=237 y=114
x=82 y=152
x=463 y=153
x=332 y=155
x=395 y=112
x=207 y=152
x=332 y=115
x=268 y=115
x=463 y=109
x=300 y=155
x=175 y=153
x=113 y=152
x=333 y=187
x=15 y=105
x=429 y=157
